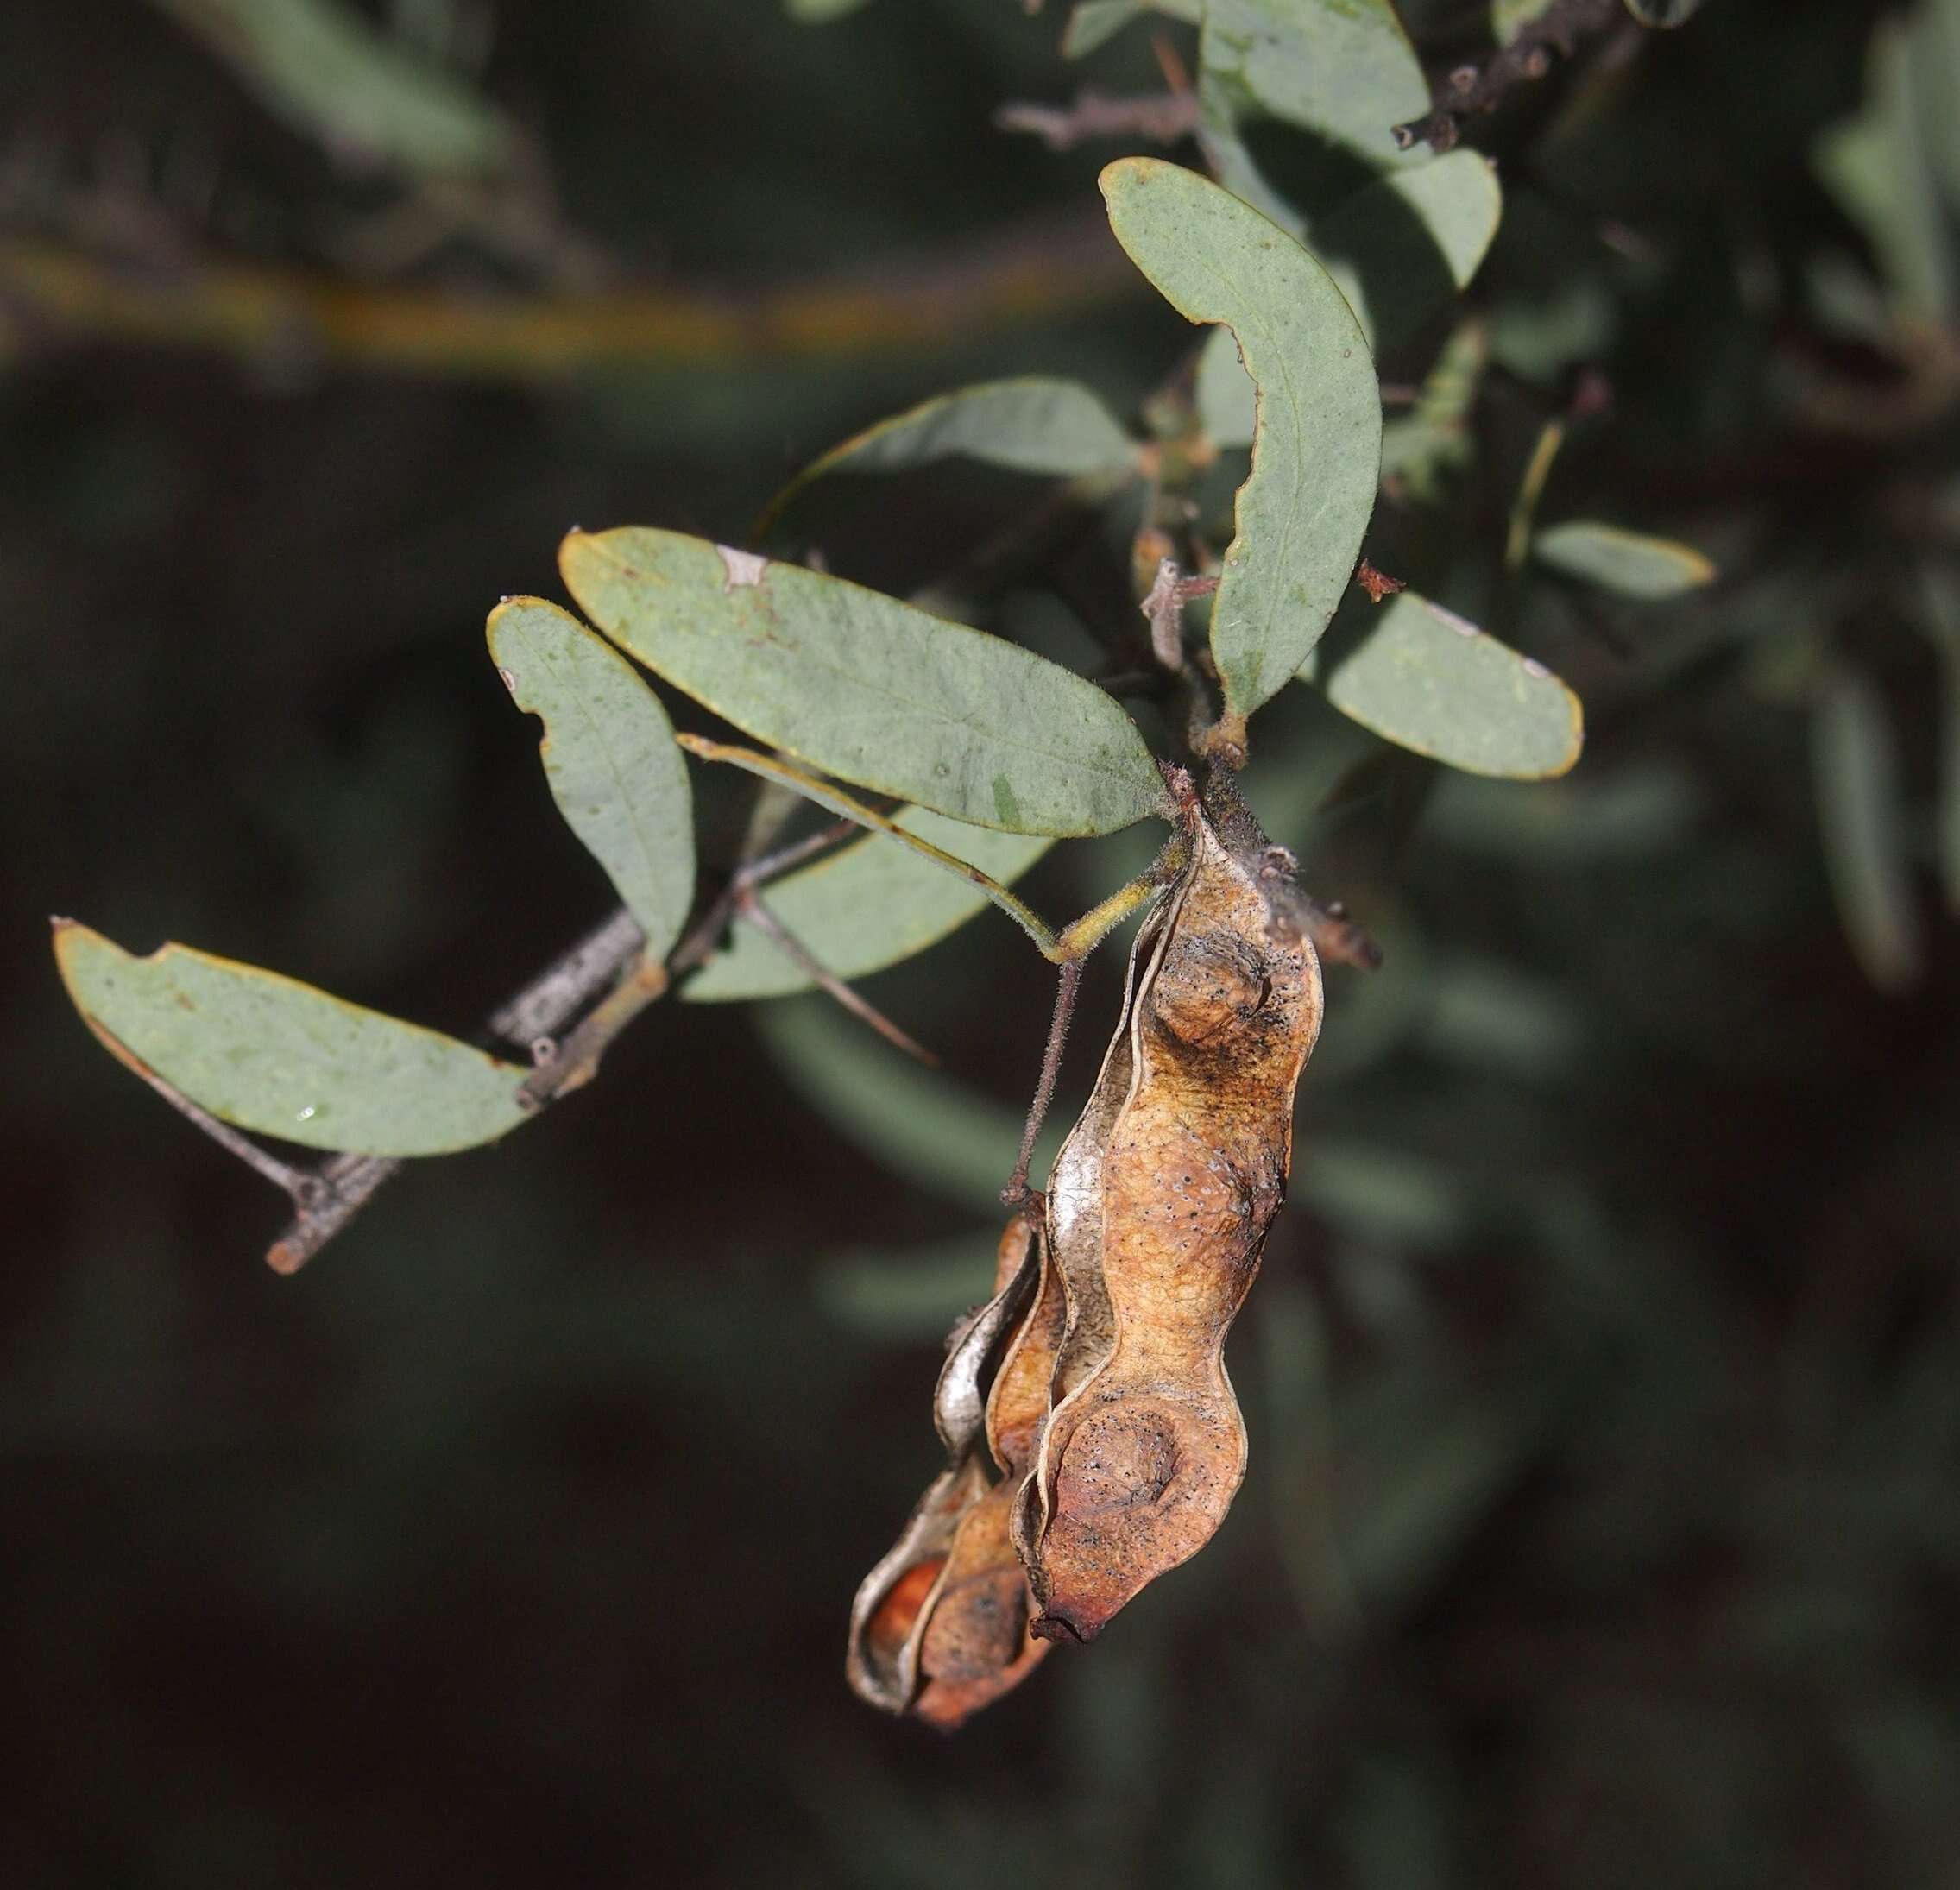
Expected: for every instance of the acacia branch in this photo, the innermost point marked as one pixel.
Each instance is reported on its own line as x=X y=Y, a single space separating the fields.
x=609 y=958
x=1161 y=117
x=1478 y=86
x=1041 y=270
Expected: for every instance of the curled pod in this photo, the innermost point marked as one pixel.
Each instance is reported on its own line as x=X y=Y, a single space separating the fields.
x=895 y=1602
x=977 y=1644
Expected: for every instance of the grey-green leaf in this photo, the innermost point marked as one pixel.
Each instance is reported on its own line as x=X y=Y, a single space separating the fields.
x=1407 y=244
x=1421 y=677
x=268 y=1054
x=1052 y=427
x=868 y=689
x=1856 y=767
x=1628 y=563
x=610 y=756
x=865 y=906
x=1317 y=454
x=1936 y=76
x=1341 y=69
x=332 y=73
x=1880 y=166
x=1095 y=22
x=1227 y=403
x=1399 y=249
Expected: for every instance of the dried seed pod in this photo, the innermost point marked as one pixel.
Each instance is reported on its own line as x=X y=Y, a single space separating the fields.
x=1142 y=1455
x=1074 y=1225
x=976 y=1644
x=895 y=1602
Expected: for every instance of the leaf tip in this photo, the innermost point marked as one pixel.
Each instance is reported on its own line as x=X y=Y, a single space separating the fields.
x=1576 y=710
x=1131 y=173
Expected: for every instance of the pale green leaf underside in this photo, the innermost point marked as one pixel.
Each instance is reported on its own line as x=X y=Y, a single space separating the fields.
x=1425 y=679
x=609 y=758
x=1856 y=764
x=1629 y=563
x=1093 y=23
x=870 y=904
x=1395 y=277
x=268 y=1054
x=1044 y=426
x=1342 y=69
x=1406 y=245
x=1227 y=403
x=1301 y=511
x=867 y=689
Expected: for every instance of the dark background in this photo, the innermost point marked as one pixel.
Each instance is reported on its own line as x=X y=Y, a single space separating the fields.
x=1604 y=1378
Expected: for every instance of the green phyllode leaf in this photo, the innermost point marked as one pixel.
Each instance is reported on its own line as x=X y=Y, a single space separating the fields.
x=1301 y=511
x=868 y=906
x=1400 y=231
x=1859 y=810
x=1629 y=563
x=332 y=74
x=1342 y=69
x=1059 y=428
x=271 y=1054
x=1408 y=278
x=1095 y=22
x=866 y=687
x=610 y=756
x=1406 y=245
x=1421 y=677
x=1424 y=450
x=1883 y=166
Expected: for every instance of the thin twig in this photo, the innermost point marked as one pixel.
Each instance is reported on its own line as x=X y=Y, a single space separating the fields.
x=1162 y=117
x=1164 y=610
x=297 y=1183
x=558 y=992
x=1016 y=1193
x=1478 y=87
x=326 y=1198
x=575 y=1062
x=342 y=1187
x=750 y=905
x=1337 y=937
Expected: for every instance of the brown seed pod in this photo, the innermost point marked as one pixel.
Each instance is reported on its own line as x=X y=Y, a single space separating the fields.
x=1143 y=1451
x=895 y=1602
x=976 y=1644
